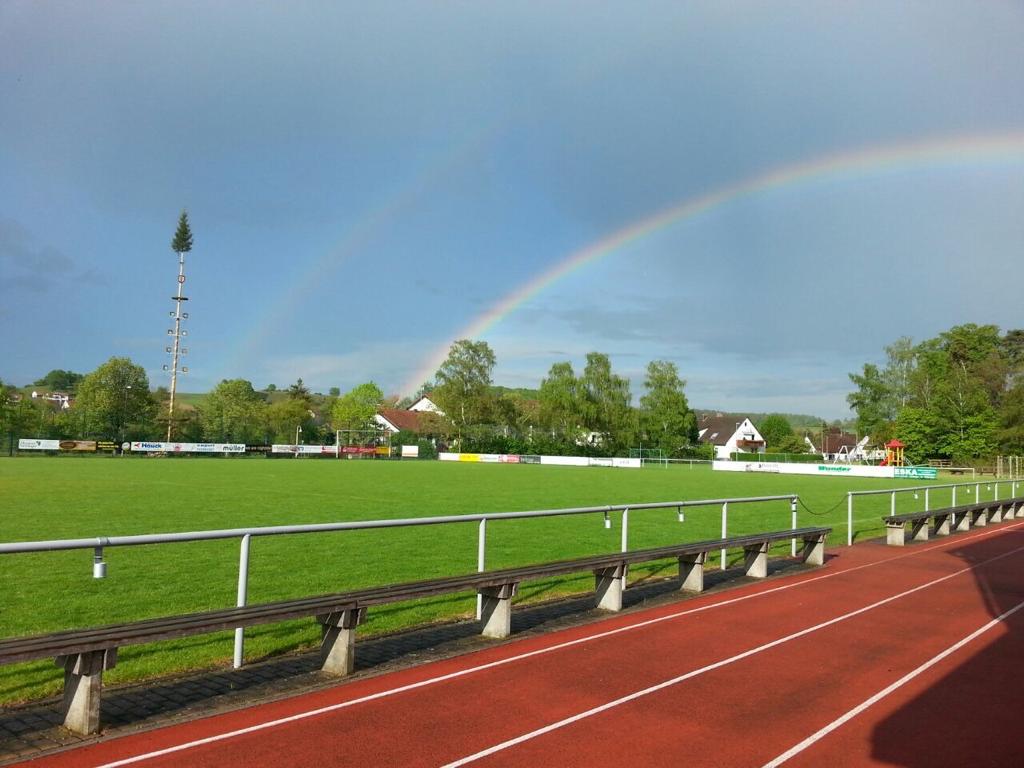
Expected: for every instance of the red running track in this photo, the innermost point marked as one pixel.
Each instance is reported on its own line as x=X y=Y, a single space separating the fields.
x=884 y=656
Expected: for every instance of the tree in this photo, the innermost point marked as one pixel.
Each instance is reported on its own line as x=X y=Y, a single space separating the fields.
x=464 y=380
x=285 y=417
x=334 y=392
x=114 y=401
x=776 y=431
x=299 y=391
x=871 y=401
x=233 y=413
x=182 y=242
x=60 y=381
x=605 y=397
x=665 y=415
x=899 y=369
x=561 y=402
x=357 y=407
x=1011 y=435
x=1012 y=348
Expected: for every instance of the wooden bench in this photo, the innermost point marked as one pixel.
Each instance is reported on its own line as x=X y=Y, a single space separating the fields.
x=948 y=519
x=86 y=653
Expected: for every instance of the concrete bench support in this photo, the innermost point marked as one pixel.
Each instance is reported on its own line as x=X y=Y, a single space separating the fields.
x=961 y=521
x=83 y=683
x=979 y=517
x=942 y=525
x=1009 y=512
x=610 y=584
x=755 y=559
x=814 y=550
x=996 y=514
x=691 y=572
x=496 y=610
x=338 y=646
x=919 y=529
x=895 y=533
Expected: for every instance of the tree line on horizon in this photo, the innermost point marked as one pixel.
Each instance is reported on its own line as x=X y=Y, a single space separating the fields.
x=958 y=396
x=589 y=412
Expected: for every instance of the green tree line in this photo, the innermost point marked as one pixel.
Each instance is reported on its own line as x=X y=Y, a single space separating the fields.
x=958 y=396
x=589 y=412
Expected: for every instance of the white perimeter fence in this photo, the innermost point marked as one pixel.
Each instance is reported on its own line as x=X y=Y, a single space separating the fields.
x=245 y=535
x=971 y=489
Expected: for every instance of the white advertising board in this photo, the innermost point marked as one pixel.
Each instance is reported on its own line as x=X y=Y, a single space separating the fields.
x=821 y=470
x=30 y=444
x=556 y=461
x=311 y=450
x=410 y=451
x=146 y=447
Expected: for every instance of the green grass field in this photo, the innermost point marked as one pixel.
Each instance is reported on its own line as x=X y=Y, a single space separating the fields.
x=84 y=497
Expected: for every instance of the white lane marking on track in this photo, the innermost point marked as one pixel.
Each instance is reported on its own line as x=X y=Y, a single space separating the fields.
x=710 y=667
x=923 y=549
x=825 y=731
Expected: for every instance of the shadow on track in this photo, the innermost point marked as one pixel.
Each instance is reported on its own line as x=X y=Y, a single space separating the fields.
x=971 y=715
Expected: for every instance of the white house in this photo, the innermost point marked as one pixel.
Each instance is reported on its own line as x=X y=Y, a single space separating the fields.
x=730 y=434
x=395 y=419
x=424 y=403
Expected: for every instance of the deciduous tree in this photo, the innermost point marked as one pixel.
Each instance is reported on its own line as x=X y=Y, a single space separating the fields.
x=665 y=415
x=464 y=380
x=357 y=407
x=114 y=401
x=233 y=412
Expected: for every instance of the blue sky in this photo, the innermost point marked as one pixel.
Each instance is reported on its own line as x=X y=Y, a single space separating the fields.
x=363 y=180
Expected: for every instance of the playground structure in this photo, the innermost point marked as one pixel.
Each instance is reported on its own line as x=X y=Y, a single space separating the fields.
x=893 y=454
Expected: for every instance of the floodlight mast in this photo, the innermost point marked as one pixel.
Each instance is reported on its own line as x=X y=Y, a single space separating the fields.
x=181 y=244
x=176 y=350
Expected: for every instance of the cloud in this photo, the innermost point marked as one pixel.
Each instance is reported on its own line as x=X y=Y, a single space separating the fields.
x=35 y=267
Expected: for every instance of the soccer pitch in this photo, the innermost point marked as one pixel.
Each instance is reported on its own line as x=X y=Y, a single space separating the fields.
x=55 y=498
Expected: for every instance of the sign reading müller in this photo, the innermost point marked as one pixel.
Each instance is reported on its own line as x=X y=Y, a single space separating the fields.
x=144 y=447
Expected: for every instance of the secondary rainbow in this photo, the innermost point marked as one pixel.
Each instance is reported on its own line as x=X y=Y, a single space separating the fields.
x=838 y=167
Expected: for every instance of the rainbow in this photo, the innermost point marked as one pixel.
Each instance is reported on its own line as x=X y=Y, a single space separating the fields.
x=838 y=167
x=355 y=240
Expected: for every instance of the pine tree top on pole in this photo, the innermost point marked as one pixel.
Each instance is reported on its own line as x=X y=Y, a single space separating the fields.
x=182 y=242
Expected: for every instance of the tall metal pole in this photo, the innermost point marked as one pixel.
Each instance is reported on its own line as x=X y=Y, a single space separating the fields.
x=177 y=333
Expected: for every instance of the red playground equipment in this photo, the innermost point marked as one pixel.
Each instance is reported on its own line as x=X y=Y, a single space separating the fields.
x=893 y=454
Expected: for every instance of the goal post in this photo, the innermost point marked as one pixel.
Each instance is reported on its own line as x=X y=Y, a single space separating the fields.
x=649 y=456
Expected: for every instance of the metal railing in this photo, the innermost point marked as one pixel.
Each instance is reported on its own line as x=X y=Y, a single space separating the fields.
x=927 y=489
x=245 y=535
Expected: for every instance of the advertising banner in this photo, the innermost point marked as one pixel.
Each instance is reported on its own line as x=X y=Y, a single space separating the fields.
x=559 y=461
x=367 y=450
x=821 y=470
x=917 y=473
x=30 y=444
x=565 y=461
x=156 y=447
x=78 y=445
x=306 y=450
x=410 y=451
